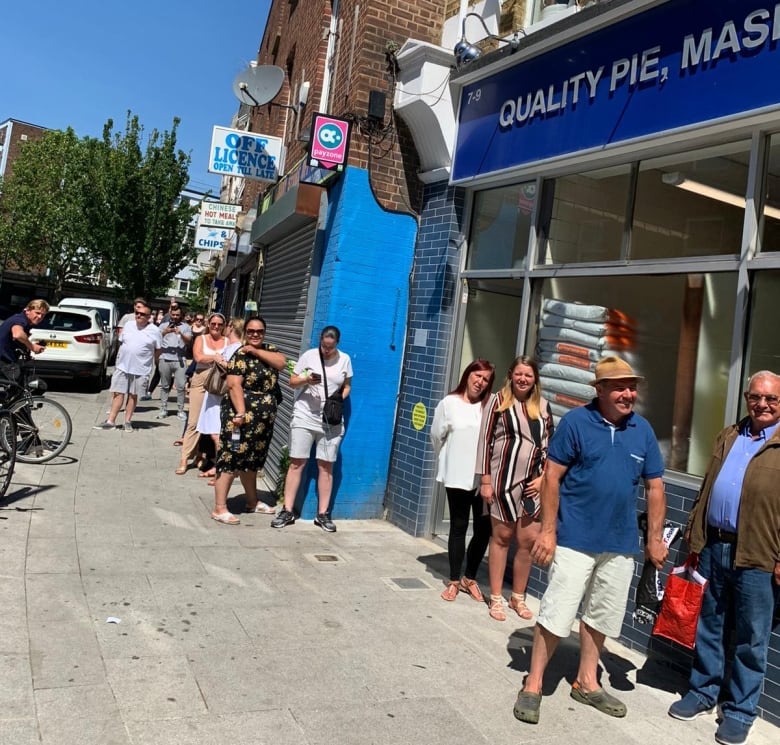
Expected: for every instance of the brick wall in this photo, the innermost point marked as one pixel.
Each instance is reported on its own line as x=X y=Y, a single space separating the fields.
x=433 y=295
x=368 y=34
x=13 y=138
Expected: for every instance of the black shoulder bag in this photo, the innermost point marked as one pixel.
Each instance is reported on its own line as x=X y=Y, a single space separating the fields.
x=333 y=410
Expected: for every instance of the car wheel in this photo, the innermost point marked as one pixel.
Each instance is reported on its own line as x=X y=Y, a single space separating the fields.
x=96 y=382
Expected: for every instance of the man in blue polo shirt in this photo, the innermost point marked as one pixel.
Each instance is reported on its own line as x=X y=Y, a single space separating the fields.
x=589 y=535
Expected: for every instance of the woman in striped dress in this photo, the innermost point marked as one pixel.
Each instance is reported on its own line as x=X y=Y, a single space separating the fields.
x=516 y=428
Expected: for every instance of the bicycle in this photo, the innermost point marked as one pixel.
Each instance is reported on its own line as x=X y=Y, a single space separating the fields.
x=41 y=428
x=7 y=450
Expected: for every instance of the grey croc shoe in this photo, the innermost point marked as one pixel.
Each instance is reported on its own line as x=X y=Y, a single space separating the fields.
x=599 y=699
x=527 y=707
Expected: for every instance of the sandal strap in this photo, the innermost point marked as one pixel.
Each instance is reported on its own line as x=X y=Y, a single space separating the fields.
x=496 y=609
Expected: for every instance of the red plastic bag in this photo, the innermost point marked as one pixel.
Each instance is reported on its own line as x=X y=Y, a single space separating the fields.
x=681 y=604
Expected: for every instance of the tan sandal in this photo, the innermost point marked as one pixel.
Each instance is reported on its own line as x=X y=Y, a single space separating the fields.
x=517 y=604
x=471 y=587
x=451 y=591
x=496 y=608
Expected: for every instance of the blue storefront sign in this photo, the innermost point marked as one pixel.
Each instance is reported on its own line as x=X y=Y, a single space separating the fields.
x=675 y=65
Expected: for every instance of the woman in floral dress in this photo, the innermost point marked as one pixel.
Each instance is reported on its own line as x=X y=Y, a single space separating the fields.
x=249 y=408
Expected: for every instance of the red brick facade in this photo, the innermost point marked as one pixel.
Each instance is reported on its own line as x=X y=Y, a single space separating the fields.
x=13 y=135
x=297 y=39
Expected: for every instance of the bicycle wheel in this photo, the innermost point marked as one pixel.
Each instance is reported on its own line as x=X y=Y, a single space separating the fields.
x=7 y=451
x=43 y=429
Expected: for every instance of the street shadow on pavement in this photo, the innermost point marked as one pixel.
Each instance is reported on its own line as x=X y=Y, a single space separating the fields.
x=613 y=670
x=57 y=460
x=140 y=425
x=662 y=672
x=438 y=565
x=237 y=503
x=20 y=493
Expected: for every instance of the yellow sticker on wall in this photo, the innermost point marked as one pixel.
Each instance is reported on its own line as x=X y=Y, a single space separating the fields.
x=419 y=415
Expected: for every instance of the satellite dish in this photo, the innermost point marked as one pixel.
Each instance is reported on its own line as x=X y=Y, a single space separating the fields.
x=258 y=85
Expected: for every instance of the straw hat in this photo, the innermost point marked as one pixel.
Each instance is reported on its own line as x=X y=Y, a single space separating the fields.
x=614 y=368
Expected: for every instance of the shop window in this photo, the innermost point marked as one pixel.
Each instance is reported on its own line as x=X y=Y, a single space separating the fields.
x=586 y=217
x=501 y=227
x=691 y=206
x=771 y=222
x=491 y=323
x=675 y=330
x=763 y=349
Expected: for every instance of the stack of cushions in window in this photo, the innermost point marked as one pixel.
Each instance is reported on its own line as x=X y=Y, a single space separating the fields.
x=572 y=338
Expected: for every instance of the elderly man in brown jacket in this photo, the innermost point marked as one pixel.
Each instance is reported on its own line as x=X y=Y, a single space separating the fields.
x=735 y=528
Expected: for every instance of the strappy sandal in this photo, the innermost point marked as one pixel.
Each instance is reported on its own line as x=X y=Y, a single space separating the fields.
x=496 y=609
x=471 y=587
x=181 y=470
x=517 y=604
x=226 y=518
x=451 y=591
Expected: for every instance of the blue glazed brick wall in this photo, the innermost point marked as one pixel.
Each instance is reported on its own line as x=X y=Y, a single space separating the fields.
x=432 y=302
x=679 y=500
x=363 y=289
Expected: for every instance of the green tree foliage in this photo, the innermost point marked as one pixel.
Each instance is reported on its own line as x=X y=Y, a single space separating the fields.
x=203 y=282
x=43 y=226
x=110 y=208
x=144 y=220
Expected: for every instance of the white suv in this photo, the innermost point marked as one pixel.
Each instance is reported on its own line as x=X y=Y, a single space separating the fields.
x=76 y=346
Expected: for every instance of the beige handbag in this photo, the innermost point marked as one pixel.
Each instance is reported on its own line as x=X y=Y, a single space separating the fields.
x=216 y=380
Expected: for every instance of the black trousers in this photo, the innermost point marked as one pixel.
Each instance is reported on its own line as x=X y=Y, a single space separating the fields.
x=462 y=504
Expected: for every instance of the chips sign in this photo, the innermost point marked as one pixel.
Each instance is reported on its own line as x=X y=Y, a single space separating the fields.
x=329 y=142
x=212 y=239
x=236 y=152
x=218 y=214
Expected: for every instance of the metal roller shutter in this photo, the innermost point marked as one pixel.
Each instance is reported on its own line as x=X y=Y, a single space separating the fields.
x=283 y=305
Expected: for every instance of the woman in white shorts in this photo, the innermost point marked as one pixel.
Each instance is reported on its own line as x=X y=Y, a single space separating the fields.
x=308 y=427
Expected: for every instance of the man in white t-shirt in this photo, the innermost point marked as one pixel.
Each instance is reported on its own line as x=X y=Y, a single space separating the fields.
x=140 y=349
x=308 y=430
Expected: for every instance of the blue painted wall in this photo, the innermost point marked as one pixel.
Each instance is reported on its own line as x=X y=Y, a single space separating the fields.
x=363 y=289
x=434 y=294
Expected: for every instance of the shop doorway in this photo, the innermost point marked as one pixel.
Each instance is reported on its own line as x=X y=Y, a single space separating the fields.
x=490 y=330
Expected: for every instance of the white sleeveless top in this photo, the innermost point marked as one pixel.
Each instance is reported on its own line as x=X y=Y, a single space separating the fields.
x=208 y=349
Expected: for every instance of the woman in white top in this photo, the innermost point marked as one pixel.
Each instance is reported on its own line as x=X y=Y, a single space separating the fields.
x=209 y=418
x=208 y=348
x=455 y=435
x=308 y=430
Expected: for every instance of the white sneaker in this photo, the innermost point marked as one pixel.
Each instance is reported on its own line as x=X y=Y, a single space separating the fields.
x=105 y=425
x=182 y=415
x=161 y=414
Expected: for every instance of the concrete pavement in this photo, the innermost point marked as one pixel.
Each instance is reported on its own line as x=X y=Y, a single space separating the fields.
x=252 y=635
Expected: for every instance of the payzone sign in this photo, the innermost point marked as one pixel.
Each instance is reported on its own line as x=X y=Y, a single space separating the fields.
x=329 y=142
